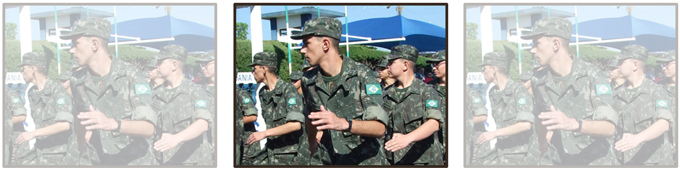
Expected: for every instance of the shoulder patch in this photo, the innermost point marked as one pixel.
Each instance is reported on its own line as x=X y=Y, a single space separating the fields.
x=142 y=89
x=477 y=100
x=247 y=100
x=61 y=101
x=432 y=103
x=522 y=101
x=291 y=101
x=15 y=100
x=373 y=89
x=201 y=103
x=603 y=89
x=662 y=103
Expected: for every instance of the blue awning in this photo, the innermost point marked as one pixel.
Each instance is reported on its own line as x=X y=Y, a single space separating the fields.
x=654 y=36
x=424 y=36
x=190 y=35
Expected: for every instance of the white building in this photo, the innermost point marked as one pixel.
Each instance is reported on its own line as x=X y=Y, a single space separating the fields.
x=65 y=18
x=296 y=19
x=527 y=18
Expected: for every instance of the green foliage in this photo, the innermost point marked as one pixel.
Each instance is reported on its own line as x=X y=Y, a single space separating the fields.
x=471 y=30
x=370 y=56
x=241 y=31
x=596 y=55
x=243 y=56
x=10 y=31
x=135 y=55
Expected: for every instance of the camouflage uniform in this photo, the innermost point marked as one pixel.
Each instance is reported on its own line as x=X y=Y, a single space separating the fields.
x=206 y=58
x=244 y=107
x=584 y=94
x=49 y=106
x=438 y=57
x=281 y=105
x=474 y=107
x=638 y=109
x=673 y=93
x=510 y=106
x=15 y=154
x=349 y=98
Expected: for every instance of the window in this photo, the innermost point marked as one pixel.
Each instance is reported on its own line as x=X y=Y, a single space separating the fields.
x=283 y=32
x=63 y=30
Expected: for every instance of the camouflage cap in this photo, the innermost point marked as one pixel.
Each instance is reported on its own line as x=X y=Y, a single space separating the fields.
x=407 y=52
x=296 y=75
x=152 y=62
x=265 y=59
x=383 y=62
x=495 y=59
x=322 y=26
x=551 y=26
x=34 y=59
x=305 y=65
x=637 y=52
x=669 y=56
x=375 y=74
x=173 y=51
x=526 y=75
x=91 y=26
x=614 y=62
x=65 y=75
x=437 y=57
x=206 y=57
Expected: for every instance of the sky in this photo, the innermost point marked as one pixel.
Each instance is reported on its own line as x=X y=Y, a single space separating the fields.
x=204 y=15
x=429 y=14
x=661 y=14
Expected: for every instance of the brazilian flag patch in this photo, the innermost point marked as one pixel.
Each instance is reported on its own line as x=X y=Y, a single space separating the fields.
x=662 y=103
x=201 y=103
x=15 y=100
x=373 y=89
x=432 y=103
x=522 y=101
x=603 y=89
x=291 y=101
x=477 y=100
x=142 y=89
x=247 y=100
x=61 y=101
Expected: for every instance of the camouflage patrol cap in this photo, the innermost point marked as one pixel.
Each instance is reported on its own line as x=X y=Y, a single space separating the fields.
x=152 y=62
x=407 y=52
x=551 y=26
x=322 y=26
x=296 y=75
x=173 y=51
x=526 y=75
x=669 y=56
x=265 y=59
x=437 y=57
x=637 y=52
x=495 y=59
x=34 y=59
x=614 y=62
x=383 y=62
x=65 y=75
x=206 y=57
x=305 y=65
x=90 y=26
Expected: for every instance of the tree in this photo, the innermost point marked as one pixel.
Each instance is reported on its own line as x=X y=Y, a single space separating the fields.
x=11 y=31
x=241 y=31
x=471 y=31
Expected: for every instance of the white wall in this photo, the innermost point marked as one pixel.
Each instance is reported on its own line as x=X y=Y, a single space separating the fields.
x=293 y=21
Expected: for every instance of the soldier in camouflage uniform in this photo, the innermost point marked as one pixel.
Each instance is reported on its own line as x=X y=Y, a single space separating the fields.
x=152 y=72
x=15 y=115
x=295 y=80
x=474 y=107
x=183 y=115
x=438 y=63
x=525 y=79
x=282 y=111
x=207 y=63
x=615 y=79
x=643 y=108
x=669 y=64
x=342 y=98
x=244 y=106
x=572 y=99
x=385 y=79
x=51 y=110
x=414 y=111
x=512 y=107
x=65 y=79
x=111 y=97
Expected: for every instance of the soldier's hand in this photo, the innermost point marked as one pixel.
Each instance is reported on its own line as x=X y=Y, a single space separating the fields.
x=485 y=137
x=25 y=136
x=256 y=136
x=557 y=120
x=627 y=142
x=399 y=141
x=167 y=142
x=325 y=119
x=94 y=120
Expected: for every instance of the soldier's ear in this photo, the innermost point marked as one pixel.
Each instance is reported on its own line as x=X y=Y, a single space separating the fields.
x=95 y=43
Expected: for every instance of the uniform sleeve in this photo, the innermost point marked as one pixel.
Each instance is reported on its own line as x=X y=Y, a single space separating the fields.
x=63 y=105
x=201 y=102
x=598 y=99
x=247 y=103
x=477 y=104
x=432 y=105
x=294 y=105
x=662 y=103
x=371 y=97
x=16 y=104
x=141 y=100
x=525 y=105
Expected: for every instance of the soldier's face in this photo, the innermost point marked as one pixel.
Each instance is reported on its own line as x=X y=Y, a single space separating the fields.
x=258 y=73
x=489 y=73
x=312 y=49
x=27 y=72
x=542 y=49
x=152 y=72
x=614 y=73
x=439 y=69
x=166 y=68
x=669 y=69
x=627 y=67
x=209 y=69
x=297 y=83
x=396 y=67
x=383 y=72
x=82 y=49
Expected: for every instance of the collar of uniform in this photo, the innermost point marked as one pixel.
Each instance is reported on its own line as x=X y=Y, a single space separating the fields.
x=114 y=71
x=413 y=88
x=279 y=86
x=182 y=88
x=578 y=70
x=349 y=70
